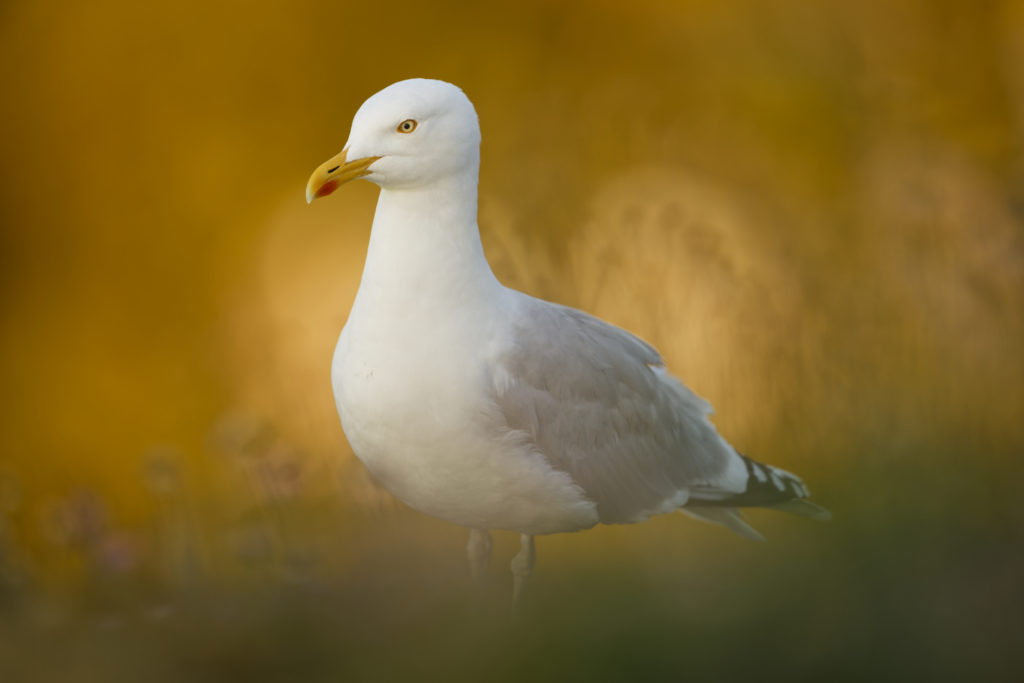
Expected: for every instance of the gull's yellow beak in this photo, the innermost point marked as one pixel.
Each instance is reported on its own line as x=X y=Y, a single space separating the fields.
x=334 y=173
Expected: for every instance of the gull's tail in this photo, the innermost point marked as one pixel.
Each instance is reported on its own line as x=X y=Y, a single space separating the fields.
x=765 y=487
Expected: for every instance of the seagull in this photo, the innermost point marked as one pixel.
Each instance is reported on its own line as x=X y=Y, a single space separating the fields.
x=488 y=408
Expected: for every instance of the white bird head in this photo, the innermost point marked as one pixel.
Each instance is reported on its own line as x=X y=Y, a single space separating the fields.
x=409 y=134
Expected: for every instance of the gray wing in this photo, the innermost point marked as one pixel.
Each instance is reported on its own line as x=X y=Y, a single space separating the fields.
x=597 y=403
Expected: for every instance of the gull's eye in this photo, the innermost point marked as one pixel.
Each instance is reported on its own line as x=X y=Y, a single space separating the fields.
x=407 y=126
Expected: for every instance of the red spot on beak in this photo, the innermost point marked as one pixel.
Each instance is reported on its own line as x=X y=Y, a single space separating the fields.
x=327 y=188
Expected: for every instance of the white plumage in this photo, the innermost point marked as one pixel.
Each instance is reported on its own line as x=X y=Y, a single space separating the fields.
x=488 y=408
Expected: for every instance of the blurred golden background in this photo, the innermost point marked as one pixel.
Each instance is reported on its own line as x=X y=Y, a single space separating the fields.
x=815 y=211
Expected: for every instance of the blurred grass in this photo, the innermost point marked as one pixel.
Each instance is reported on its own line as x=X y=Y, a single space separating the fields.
x=815 y=210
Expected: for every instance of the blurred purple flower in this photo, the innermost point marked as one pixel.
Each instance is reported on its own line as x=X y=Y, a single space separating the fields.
x=117 y=553
x=80 y=520
x=280 y=472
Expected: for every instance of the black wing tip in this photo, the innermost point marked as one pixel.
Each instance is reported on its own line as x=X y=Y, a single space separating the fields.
x=766 y=486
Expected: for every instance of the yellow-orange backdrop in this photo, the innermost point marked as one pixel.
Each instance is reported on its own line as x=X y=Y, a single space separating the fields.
x=812 y=209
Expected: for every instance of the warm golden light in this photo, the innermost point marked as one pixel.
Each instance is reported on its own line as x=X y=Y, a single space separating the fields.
x=812 y=209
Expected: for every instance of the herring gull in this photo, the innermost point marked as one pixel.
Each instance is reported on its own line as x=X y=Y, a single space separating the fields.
x=491 y=409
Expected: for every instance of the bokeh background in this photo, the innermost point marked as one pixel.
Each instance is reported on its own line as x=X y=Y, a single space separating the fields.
x=814 y=209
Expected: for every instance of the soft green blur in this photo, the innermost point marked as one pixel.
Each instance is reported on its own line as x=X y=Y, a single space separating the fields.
x=814 y=209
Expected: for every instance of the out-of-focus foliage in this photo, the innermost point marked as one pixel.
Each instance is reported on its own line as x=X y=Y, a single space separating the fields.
x=814 y=209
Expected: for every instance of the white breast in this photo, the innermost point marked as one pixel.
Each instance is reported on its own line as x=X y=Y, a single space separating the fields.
x=417 y=410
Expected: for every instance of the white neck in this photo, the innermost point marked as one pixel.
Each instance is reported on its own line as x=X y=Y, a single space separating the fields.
x=425 y=249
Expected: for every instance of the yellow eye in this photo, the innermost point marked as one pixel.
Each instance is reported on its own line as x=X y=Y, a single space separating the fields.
x=407 y=126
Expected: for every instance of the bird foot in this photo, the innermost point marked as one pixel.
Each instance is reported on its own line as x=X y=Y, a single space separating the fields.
x=522 y=567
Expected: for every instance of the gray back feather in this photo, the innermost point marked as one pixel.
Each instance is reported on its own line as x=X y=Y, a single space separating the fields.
x=597 y=403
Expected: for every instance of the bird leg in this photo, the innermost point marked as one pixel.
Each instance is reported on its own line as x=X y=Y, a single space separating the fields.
x=522 y=566
x=479 y=552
